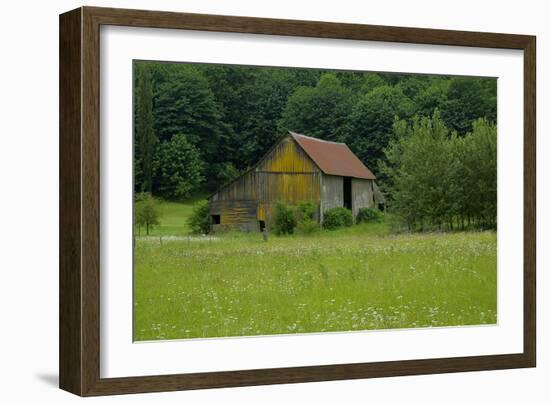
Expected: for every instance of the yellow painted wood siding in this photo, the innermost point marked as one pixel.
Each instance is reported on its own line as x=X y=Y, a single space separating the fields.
x=289 y=188
x=286 y=174
x=287 y=156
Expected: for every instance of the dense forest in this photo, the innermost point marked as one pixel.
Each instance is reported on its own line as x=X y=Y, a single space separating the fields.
x=430 y=140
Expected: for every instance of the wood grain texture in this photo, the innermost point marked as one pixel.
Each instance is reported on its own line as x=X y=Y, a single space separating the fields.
x=90 y=201
x=316 y=29
x=79 y=201
x=70 y=274
x=530 y=203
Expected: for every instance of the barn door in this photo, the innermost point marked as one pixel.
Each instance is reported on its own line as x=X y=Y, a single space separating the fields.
x=347 y=193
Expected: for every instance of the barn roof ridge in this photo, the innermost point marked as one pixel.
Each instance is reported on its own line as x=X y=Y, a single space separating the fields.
x=294 y=134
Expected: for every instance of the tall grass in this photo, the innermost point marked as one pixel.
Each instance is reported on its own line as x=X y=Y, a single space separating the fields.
x=355 y=278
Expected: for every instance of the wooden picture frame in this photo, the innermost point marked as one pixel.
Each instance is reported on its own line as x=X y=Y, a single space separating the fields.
x=79 y=278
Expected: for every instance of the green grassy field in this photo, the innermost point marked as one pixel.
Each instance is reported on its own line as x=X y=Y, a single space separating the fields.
x=356 y=278
x=172 y=219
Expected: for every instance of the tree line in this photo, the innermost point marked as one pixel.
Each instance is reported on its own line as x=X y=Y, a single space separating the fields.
x=198 y=126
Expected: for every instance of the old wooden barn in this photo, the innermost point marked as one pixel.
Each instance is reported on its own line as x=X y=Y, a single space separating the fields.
x=298 y=168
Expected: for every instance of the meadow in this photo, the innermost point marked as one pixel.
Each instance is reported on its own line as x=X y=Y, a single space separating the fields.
x=356 y=278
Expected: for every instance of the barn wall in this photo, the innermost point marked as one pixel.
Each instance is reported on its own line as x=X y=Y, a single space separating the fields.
x=286 y=187
x=362 y=194
x=235 y=213
x=268 y=187
x=332 y=194
x=287 y=156
x=286 y=174
x=243 y=188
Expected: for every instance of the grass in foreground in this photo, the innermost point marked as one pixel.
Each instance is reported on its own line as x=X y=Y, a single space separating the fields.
x=352 y=279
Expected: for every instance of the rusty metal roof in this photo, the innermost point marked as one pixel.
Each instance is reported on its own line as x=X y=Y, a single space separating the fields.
x=333 y=158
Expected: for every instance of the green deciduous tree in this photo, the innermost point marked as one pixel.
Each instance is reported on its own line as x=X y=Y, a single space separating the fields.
x=422 y=172
x=178 y=168
x=438 y=179
x=226 y=172
x=146 y=212
x=370 y=82
x=478 y=174
x=318 y=111
x=184 y=103
x=431 y=97
x=468 y=100
x=264 y=99
x=369 y=127
x=413 y=84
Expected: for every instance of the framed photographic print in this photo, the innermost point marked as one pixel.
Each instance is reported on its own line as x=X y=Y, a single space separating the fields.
x=249 y=201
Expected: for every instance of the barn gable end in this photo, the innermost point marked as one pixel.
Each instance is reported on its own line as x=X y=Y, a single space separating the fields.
x=286 y=173
x=287 y=156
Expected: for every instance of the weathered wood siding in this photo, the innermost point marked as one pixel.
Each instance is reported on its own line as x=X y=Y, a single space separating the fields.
x=286 y=187
x=332 y=194
x=286 y=174
x=243 y=188
x=240 y=214
x=362 y=194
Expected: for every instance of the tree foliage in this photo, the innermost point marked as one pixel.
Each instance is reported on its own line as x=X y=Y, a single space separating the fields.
x=146 y=213
x=199 y=220
x=145 y=138
x=318 y=111
x=264 y=99
x=369 y=126
x=185 y=103
x=438 y=179
x=468 y=100
x=178 y=168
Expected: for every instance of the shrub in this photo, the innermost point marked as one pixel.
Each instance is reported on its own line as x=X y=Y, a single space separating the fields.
x=305 y=213
x=337 y=217
x=368 y=215
x=284 y=219
x=199 y=220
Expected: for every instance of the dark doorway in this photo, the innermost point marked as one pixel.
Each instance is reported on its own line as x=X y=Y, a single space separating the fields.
x=347 y=192
x=216 y=219
x=262 y=225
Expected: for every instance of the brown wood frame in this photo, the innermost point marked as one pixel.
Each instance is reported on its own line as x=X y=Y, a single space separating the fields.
x=79 y=201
